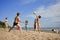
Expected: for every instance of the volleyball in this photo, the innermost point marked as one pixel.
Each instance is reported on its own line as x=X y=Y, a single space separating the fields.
x=35 y=13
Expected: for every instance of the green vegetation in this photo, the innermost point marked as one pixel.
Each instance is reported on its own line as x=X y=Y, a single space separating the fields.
x=2 y=24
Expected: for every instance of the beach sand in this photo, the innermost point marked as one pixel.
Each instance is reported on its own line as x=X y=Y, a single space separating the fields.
x=29 y=35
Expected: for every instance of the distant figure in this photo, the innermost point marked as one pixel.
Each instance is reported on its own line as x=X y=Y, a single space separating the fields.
x=38 y=22
x=6 y=23
x=35 y=22
x=55 y=31
x=16 y=22
x=26 y=24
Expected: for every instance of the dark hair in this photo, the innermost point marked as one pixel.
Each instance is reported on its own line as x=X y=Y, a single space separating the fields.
x=6 y=18
x=39 y=16
x=26 y=21
x=18 y=14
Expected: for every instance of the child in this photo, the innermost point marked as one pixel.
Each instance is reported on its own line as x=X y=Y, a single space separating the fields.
x=6 y=23
x=26 y=24
x=16 y=22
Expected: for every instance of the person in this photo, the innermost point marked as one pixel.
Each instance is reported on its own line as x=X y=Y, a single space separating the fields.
x=38 y=23
x=35 y=21
x=26 y=24
x=6 y=23
x=16 y=22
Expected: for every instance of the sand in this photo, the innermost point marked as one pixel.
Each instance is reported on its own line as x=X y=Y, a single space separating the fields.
x=29 y=35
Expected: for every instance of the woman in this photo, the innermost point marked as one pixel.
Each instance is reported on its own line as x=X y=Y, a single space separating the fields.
x=38 y=22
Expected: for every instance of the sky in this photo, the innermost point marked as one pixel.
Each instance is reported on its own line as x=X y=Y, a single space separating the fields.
x=48 y=9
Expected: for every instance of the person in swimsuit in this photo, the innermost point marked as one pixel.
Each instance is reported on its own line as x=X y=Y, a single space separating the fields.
x=16 y=22
x=38 y=22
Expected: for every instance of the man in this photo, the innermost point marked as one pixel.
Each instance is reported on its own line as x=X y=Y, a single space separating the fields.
x=16 y=22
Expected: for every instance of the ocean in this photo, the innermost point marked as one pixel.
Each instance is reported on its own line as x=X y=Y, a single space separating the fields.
x=46 y=28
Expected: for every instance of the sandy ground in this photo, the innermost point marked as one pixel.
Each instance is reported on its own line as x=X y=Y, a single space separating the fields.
x=29 y=35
